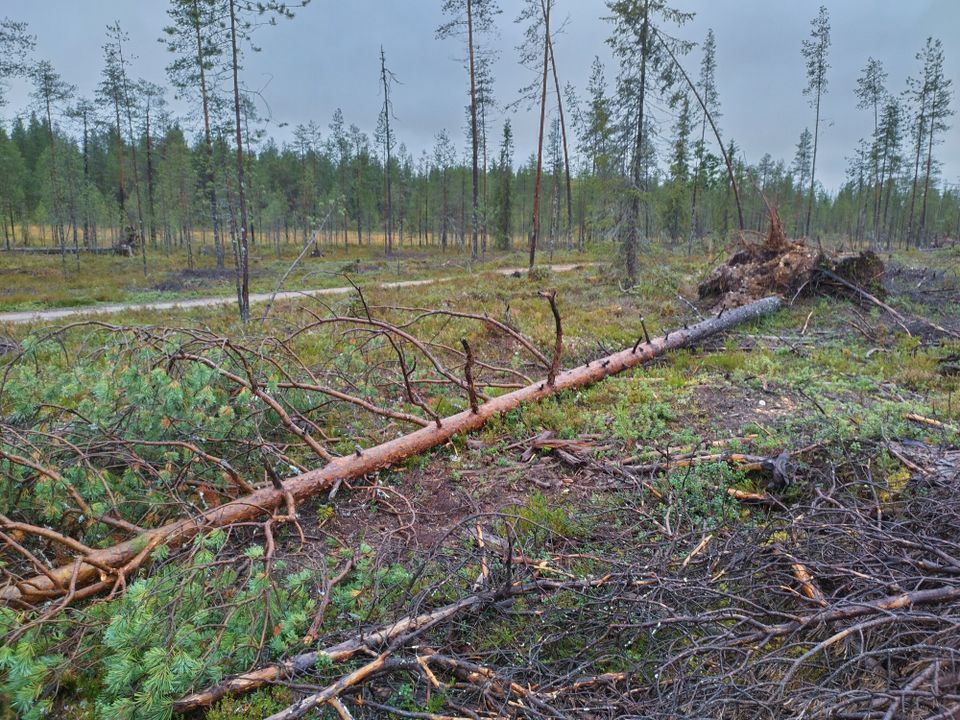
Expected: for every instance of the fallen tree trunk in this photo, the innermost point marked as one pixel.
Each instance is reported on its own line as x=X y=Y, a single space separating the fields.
x=126 y=557
x=404 y=630
x=335 y=654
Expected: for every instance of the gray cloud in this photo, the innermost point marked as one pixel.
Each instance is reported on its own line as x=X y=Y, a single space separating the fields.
x=328 y=57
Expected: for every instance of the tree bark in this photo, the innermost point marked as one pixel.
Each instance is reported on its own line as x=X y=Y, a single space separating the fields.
x=243 y=263
x=535 y=231
x=474 y=250
x=42 y=588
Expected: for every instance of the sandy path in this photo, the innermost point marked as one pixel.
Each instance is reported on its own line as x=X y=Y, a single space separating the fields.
x=185 y=304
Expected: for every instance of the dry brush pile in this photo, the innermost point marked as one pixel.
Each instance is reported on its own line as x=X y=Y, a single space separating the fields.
x=846 y=604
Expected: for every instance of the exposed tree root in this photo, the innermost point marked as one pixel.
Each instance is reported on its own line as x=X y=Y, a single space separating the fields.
x=784 y=267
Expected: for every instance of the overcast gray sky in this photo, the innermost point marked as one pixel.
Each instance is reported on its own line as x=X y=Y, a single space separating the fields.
x=328 y=57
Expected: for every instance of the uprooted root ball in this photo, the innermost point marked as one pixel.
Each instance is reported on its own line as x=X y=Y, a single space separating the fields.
x=779 y=266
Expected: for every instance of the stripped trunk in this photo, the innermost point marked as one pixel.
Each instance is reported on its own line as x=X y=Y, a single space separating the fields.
x=83 y=576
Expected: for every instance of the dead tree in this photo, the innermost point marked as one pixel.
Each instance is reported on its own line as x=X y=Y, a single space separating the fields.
x=98 y=570
x=538 y=180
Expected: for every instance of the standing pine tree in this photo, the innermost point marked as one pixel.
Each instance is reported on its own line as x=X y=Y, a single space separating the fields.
x=871 y=91
x=485 y=107
x=939 y=94
x=340 y=145
x=241 y=23
x=707 y=86
x=801 y=171
x=194 y=39
x=423 y=188
x=84 y=111
x=505 y=201
x=596 y=145
x=646 y=74
x=175 y=189
x=536 y=43
x=814 y=51
x=13 y=180
x=49 y=89
x=359 y=197
x=240 y=242
x=889 y=139
x=556 y=172
x=676 y=210
x=858 y=167
x=115 y=75
x=545 y=8
x=595 y=125
x=152 y=109
x=444 y=155
x=15 y=45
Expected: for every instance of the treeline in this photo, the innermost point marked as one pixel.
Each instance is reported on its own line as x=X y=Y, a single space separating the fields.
x=332 y=184
x=636 y=156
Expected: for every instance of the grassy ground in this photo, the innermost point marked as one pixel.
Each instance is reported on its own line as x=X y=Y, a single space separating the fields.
x=822 y=373
x=36 y=282
x=826 y=381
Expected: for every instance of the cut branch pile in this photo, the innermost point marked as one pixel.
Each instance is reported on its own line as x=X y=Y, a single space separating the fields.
x=821 y=610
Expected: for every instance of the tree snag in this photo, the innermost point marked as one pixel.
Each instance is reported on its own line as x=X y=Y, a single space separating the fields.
x=554 y=368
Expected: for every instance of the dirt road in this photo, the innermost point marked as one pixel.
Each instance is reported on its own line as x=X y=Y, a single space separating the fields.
x=187 y=303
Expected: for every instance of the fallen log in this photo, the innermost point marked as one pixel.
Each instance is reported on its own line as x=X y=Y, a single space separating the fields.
x=397 y=633
x=913 y=417
x=744 y=462
x=127 y=556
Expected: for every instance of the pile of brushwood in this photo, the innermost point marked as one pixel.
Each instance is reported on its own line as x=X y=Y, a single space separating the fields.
x=779 y=266
x=845 y=604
